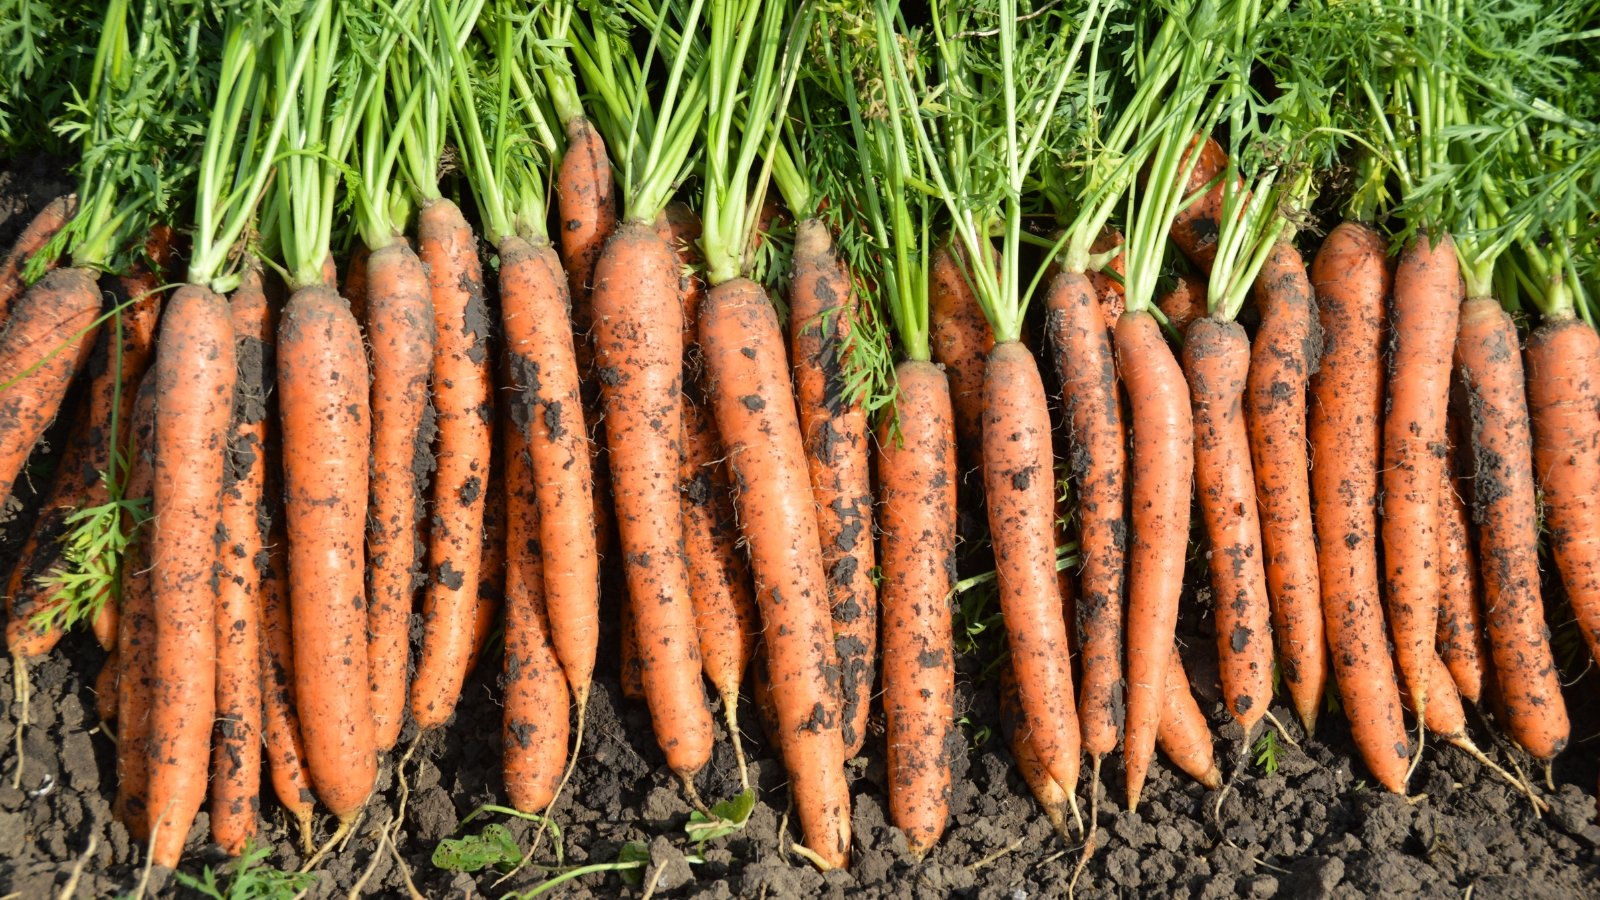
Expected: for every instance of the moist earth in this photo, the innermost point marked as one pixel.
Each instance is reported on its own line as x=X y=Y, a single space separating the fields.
x=1316 y=826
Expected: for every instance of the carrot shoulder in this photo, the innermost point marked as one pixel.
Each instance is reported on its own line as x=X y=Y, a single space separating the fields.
x=44 y=226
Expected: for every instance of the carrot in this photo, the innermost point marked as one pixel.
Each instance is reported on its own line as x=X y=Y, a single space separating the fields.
x=357 y=279
x=1098 y=456
x=1047 y=792
x=1163 y=435
x=1217 y=361
x=195 y=378
x=136 y=629
x=638 y=336
x=1184 y=736
x=833 y=425
x=535 y=732
x=1197 y=225
x=1281 y=362
x=1351 y=279
x=960 y=338
x=285 y=749
x=1505 y=511
x=548 y=415
x=236 y=744
x=1184 y=303
x=755 y=413
x=1427 y=299
x=1020 y=485
x=45 y=342
x=1563 y=358
x=491 y=594
x=324 y=402
x=917 y=490
x=401 y=329
x=632 y=667
x=1461 y=640
x=38 y=232
x=105 y=687
x=461 y=400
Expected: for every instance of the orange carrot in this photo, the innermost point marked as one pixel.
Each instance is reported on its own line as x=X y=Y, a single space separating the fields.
x=491 y=594
x=1461 y=639
x=834 y=427
x=285 y=749
x=917 y=471
x=1197 y=226
x=44 y=226
x=1163 y=435
x=1506 y=513
x=461 y=400
x=632 y=674
x=1184 y=736
x=1184 y=303
x=195 y=378
x=1351 y=280
x=1047 y=792
x=136 y=629
x=960 y=338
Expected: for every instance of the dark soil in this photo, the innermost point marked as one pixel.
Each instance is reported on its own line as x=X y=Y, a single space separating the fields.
x=1315 y=828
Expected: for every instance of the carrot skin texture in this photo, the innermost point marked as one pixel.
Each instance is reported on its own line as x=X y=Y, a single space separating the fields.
x=136 y=629
x=1196 y=227
x=1563 y=360
x=1217 y=361
x=1281 y=362
x=285 y=747
x=960 y=340
x=323 y=396
x=1427 y=301
x=638 y=332
x=1019 y=482
x=549 y=418
x=195 y=377
x=55 y=316
x=1461 y=638
x=1506 y=513
x=754 y=407
x=38 y=232
x=834 y=427
x=535 y=730
x=236 y=743
x=461 y=395
x=1184 y=736
x=1184 y=303
x=1046 y=791
x=400 y=327
x=1097 y=452
x=1163 y=442
x=1352 y=282
x=917 y=490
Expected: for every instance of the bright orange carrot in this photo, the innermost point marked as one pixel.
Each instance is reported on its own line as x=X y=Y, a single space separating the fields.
x=1506 y=512
x=285 y=749
x=917 y=468
x=1163 y=436
x=1047 y=792
x=960 y=338
x=324 y=406
x=136 y=629
x=1184 y=736
x=1351 y=280
x=195 y=373
x=1197 y=226
x=822 y=310
x=1461 y=640
x=44 y=226
x=461 y=400
x=1184 y=303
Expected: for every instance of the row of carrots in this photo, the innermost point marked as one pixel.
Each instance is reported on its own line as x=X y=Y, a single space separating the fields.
x=291 y=468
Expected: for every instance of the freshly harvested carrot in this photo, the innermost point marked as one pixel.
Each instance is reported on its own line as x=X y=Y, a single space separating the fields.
x=136 y=629
x=834 y=428
x=236 y=745
x=1184 y=736
x=587 y=196
x=1563 y=358
x=1019 y=482
x=960 y=338
x=357 y=279
x=1461 y=637
x=1217 y=362
x=280 y=717
x=638 y=332
x=1097 y=452
x=1281 y=362
x=1184 y=303
x=491 y=595
x=195 y=372
x=324 y=405
x=38 y=232
x=535 y=732
x=1198 y=224
x=461 y=387
x=917 y=490
x=1047 y=792
x=1507 y=516
x=548 y=415
x=1163 y=436
x=105 y=688
x=755 y=413
x=1351 y=279
x=45 y=342
x=400 y=327
x=1427 y=301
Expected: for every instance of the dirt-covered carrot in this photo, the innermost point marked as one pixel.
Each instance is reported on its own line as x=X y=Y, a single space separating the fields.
x=1198 y=224
x=1351 y=278
x=136 y=628
x=38 y=232
x=195 y=377
x=961 y=339
x=1184 y=303
x=1461 y=638
x=1184 y=737
x=284 y=748
x=1047 y=792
